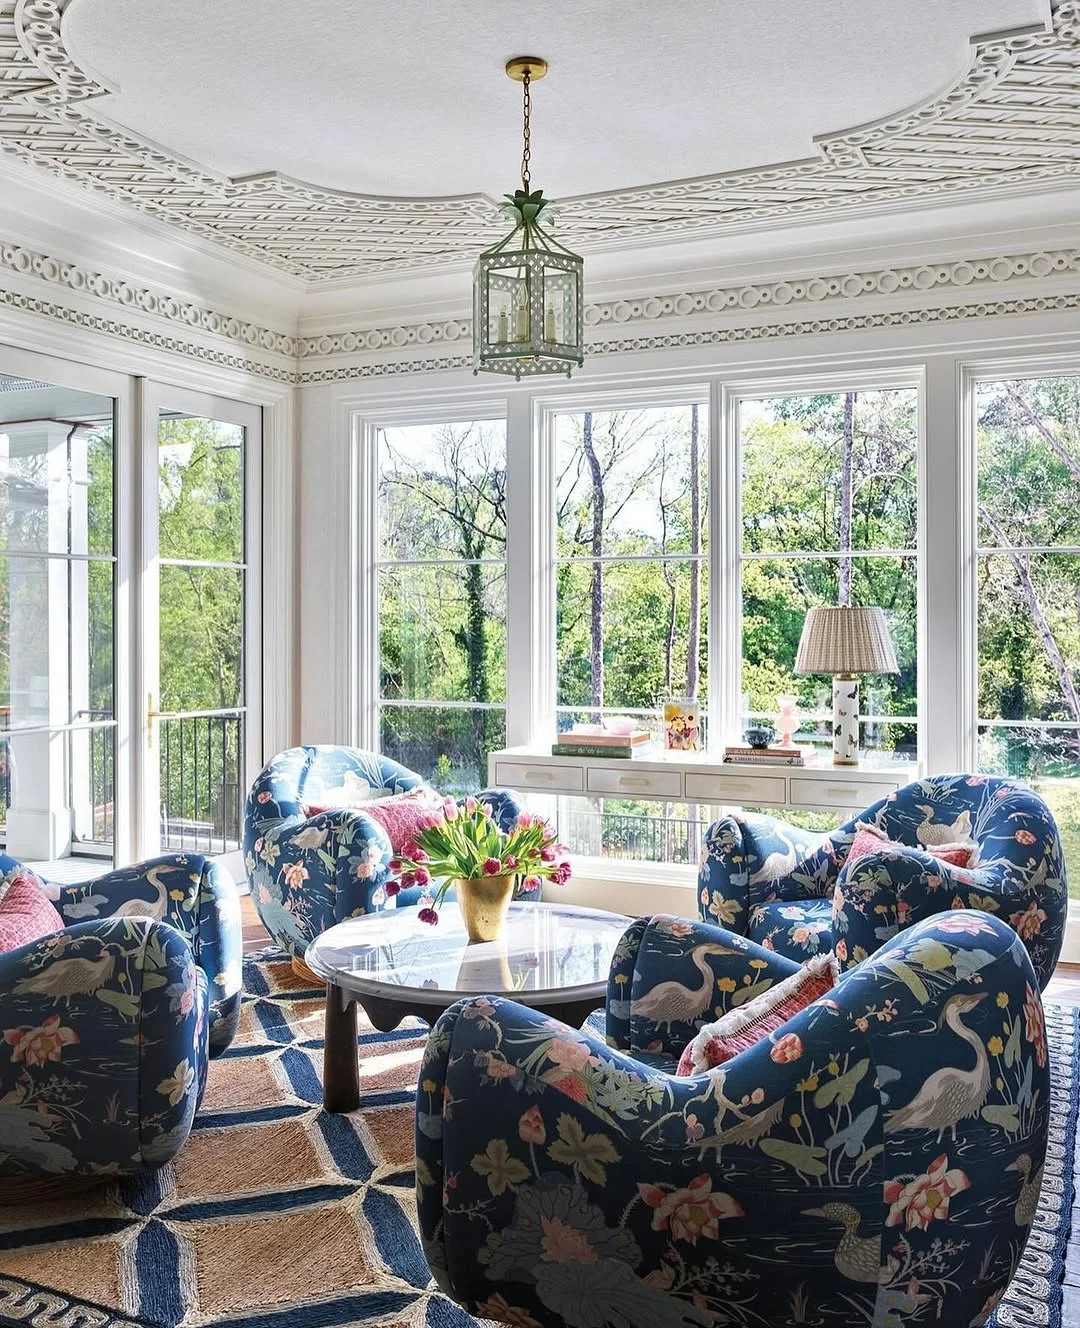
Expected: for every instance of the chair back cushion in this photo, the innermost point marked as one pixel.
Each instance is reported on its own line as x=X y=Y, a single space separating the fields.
x=869 y=839
x=757 y=1018
x=25 y=913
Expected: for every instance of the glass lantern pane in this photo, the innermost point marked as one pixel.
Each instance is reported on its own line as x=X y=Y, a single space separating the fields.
x=560 y=306
x=508 y=319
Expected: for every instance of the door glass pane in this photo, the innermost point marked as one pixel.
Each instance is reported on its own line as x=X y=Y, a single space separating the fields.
x=200 y=489
x=202 y=588
x=57 y=593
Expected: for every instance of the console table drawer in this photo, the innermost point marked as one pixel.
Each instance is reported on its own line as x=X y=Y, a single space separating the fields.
x=654 y=783
x=524 y=775
x=739 y=789
x=854 y=794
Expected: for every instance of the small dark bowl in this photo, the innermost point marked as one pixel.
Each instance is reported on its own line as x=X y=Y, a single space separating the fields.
x=758 y=735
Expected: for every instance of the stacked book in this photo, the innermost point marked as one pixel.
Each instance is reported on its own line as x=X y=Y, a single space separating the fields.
x=764 y=755
x=624 y=746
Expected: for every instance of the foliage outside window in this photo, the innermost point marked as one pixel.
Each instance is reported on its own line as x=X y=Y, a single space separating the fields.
x=201 y=587
x=829 y=516
x=631 y=597
x=1028 y=570
x=442 y=598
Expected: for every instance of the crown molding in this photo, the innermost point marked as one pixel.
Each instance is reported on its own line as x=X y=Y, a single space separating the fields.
x=837 y=299
x=1022 y=83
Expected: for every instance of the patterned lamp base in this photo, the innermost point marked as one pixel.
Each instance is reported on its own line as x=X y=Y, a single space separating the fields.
x=845 y=701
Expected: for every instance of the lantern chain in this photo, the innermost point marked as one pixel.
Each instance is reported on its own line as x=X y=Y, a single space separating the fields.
x=526 y=135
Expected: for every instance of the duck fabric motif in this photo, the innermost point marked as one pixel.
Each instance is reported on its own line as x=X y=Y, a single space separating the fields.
x=874 y=1161
x=796 y=893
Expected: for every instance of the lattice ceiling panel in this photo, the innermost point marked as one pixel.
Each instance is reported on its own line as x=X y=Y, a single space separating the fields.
x=1009 y=123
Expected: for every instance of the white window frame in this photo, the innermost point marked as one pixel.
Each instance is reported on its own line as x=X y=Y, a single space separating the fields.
x=732 y=395
x=972 y=373
x=364 y=725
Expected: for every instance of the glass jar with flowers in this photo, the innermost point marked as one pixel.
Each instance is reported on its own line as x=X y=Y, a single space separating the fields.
x=465 y=849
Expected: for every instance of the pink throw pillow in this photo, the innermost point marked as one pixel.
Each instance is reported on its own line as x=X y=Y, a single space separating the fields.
x=718 y=1042
x=869 y=839
x=25 y=913
x=399 y=815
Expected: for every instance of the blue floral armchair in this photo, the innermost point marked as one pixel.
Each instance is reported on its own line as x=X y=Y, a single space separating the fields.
x=103 y=1049
x=875 y=1160
x=307 y=873
x=192 y=893
x=792 y=891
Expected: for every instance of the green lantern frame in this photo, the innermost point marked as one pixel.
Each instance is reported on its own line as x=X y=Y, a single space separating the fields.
x=528 y=302
x=528 y=305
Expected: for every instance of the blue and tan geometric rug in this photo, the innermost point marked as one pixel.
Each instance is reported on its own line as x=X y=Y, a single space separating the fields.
x=276 y=1215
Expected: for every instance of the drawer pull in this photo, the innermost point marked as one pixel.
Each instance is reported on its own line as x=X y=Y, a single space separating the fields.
x=545 y=775
x=632 y=781
x=848 y=792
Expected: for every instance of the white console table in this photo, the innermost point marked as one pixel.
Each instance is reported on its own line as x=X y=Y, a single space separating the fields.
x=699 y=777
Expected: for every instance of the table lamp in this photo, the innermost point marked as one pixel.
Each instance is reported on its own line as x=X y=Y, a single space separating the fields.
x=846 y=641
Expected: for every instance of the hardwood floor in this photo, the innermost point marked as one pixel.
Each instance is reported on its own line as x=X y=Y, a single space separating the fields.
x=1064 y=989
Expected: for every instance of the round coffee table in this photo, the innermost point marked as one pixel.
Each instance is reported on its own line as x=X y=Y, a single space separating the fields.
x=552 y=957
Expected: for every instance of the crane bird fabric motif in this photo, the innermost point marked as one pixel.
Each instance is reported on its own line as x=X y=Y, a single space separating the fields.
x=874 y=1161
x=795 y=892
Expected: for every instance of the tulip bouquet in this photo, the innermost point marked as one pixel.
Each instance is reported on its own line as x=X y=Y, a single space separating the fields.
x=465 y=844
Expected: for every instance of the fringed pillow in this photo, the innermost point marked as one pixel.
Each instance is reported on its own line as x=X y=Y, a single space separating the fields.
x=738 y=1029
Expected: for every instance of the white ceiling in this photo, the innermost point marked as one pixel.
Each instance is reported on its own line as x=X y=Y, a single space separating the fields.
x=409 y=98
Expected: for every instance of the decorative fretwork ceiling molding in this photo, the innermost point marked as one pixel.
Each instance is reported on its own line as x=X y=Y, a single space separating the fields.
x=837 y=300
x=856 y=322
x=1008 y=125
x=782 y=295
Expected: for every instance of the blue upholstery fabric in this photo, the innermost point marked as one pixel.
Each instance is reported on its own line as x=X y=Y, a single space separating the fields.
x=874 y=1161
x=751 y=864
x=190 y=892
x=103 y=1056
x=307 y=873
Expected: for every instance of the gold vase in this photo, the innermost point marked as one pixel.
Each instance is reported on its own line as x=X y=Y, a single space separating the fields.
x=484 y=902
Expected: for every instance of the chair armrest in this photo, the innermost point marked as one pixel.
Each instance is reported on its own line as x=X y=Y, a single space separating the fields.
x=884 y=892
x=669 y=976
x=530 y=1132
x=308 y=874
x=103 y=1023
x=749 y=859
x=506 y=805
x=195 y=895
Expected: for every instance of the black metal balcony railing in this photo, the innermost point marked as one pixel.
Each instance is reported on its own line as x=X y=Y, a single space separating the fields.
x=202 y=787
x=202 y=791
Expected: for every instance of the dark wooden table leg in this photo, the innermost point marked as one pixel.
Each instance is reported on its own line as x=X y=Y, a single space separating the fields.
x=341 y=1069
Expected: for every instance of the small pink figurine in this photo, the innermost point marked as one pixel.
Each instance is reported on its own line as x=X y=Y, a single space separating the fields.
x=786 y=723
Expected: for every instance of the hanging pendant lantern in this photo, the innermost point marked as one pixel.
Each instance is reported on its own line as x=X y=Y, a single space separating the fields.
x=527 y=298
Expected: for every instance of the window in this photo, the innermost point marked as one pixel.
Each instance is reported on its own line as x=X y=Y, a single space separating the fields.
x=442 y=598
x=1028 y=579
x=57 y=755
x=631 y=581
x=829 y=513
x=631 y=569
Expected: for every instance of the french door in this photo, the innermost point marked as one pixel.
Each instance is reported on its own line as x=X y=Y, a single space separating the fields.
x=197 y=624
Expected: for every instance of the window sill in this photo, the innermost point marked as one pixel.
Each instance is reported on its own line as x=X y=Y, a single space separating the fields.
x=634 y=888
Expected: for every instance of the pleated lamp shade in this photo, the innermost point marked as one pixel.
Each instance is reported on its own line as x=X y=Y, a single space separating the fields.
x=846 y=640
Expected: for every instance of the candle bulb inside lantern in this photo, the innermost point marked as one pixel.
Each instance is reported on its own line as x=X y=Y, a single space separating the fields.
x=502 y=325
x=521 y=324
x=549 y=323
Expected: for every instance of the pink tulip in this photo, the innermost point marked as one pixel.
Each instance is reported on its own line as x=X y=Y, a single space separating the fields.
x=547 y=854
x=392 y=888
x=510 y=863
x=396 y=864
x=451 y=809
x=407 y=878
x=429 y=916
x=471 y=804
x=531 y=883
x=421 y=876
x=492 y=867
x=562 y=873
